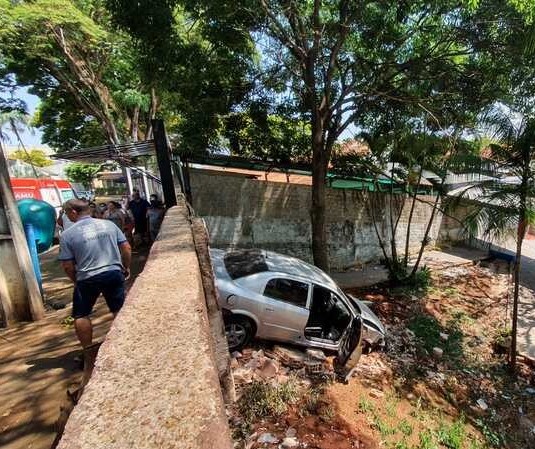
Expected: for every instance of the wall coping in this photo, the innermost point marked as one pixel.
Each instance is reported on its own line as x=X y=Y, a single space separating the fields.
x=155 y=382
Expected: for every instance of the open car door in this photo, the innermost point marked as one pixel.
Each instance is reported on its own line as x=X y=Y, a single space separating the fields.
x=350 y=350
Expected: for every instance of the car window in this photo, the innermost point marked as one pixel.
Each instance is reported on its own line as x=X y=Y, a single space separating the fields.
x=287 y=290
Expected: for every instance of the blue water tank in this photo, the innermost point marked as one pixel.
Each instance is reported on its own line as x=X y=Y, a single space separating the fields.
x=42 y=216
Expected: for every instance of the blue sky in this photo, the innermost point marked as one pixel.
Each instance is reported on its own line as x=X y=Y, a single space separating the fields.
x=30 y=139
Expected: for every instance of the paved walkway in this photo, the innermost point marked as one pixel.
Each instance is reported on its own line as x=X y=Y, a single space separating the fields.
x=38 y=362
x=373 y=274
x=526 y=306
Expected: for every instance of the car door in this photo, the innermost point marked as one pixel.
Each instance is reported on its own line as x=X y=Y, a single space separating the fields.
x=350 y=350
x=284 y=309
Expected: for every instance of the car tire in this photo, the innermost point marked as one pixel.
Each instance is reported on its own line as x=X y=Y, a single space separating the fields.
x=239 y=332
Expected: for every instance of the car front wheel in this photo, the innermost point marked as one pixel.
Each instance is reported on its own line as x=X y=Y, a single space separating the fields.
x=239 y=332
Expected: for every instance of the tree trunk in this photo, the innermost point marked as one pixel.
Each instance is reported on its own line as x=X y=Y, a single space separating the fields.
x=320 y=162
x=152 y=113
x=521 y=230
x=409 y=222
x=426 y=236
x=134 y=124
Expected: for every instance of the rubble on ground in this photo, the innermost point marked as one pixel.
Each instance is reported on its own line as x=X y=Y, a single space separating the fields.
x=278 y=363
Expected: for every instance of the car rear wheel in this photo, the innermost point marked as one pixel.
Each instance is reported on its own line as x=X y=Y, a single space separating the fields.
x=239 y=331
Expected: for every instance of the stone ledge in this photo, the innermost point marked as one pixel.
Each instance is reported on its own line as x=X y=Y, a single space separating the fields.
x=155 y=382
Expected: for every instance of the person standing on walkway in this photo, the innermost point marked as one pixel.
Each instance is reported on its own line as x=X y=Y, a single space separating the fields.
x=155 y=215
x=139 y=206
x=96 y=256
x=115 y=214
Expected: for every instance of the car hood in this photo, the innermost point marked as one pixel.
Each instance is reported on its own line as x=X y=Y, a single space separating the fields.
x=367 y=314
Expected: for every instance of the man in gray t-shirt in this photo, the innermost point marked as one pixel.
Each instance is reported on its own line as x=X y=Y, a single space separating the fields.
x=96 y=256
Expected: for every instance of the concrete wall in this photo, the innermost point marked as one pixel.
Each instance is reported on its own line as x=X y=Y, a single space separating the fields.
x=155 y=382
x=241 y=212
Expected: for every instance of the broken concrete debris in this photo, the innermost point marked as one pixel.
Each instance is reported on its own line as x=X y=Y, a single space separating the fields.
x=278 y=363
x=291 y=432
x=316 y=354
x=482 y=404
x=269 y=369
x=268 y=438
x=290 y=442
x=377 y=394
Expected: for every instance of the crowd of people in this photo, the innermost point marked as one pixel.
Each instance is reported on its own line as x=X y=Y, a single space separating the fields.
x=136 y=217
x=95 y=251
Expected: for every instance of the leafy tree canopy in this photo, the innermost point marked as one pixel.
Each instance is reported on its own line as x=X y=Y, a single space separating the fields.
x=82 y=173
x=203 y=61
x=261 y=132
x=84 y=71
x=34 y=157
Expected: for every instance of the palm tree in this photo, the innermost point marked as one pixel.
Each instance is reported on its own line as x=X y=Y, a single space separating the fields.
x=504 y=205
x=16 y=122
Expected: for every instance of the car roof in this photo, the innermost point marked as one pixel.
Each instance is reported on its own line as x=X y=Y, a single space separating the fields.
x=299 y=268
x=243 y=263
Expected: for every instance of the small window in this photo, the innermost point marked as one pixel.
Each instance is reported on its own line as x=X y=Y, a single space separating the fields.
x=293 y=292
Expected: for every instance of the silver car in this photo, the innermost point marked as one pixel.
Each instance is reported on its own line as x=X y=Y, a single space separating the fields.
x=276 y=297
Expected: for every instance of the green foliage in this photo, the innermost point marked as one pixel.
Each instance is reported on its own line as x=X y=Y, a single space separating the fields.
x=405 y=427
x=64 y=125
x=260 y=135
x=421 y=279
x=427 y=440
x=34 y=157
x=82 y=173
x=201 y=61
x=261 y=400
x=493 y=438
x=453 y=436
x=365 y=405
x=428 y=330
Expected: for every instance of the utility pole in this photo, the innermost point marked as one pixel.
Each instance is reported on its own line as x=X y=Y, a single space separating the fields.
x=164 y=162
x=20 y=298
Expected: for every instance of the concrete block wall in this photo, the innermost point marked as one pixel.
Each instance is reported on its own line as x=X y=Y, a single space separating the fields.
x=155 y=383
x=242 y=212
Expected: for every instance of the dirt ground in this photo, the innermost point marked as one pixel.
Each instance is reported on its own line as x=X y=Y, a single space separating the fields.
x=40 y=360
x=442 y=382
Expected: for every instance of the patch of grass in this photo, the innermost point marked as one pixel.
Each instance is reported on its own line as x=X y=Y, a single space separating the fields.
x=418 y=412
x=428 y=330
x=492 y=438
x=450 y=291
x=422 y=279
x=365 y=405
x=383 y=427
x=476 y=445
x=453 y=436
x=462 y=318
x=427 y=440
x=405 y=427
x=391 y=405
x=312 y=400
x=400 y=445
x=327 y=413
x=503 y=336
x=260 y=400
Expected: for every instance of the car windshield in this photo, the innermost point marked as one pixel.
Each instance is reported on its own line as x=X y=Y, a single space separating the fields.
x=245 y=262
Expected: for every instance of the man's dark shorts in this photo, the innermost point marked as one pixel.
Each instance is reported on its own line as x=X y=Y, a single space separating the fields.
x=86 y=292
